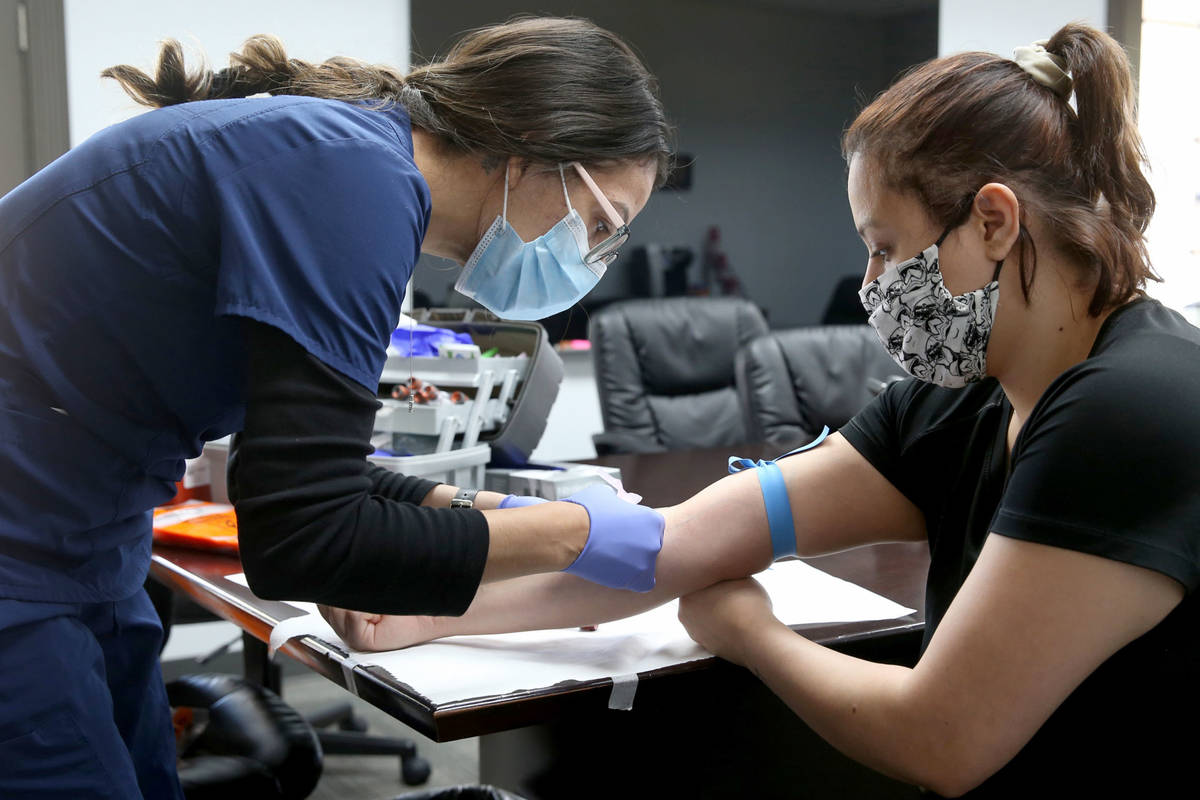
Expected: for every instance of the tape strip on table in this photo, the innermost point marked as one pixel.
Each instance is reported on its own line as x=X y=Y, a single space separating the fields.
x=286 y=629
x=624 y=688
x=294 y=627
x=349 y=662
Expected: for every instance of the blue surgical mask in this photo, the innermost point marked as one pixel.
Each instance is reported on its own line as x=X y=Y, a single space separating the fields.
x=515 y=279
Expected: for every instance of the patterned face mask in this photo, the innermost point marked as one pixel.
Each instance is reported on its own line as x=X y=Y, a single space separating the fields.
x=931 y=334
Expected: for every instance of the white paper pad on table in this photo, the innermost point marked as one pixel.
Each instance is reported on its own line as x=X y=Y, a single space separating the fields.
x=467 y=667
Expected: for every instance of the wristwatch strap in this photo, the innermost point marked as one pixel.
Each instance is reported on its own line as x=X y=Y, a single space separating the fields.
x=464 y=499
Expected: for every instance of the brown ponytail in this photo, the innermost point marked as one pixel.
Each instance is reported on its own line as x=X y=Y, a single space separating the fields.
x=262 y=65
x=951 y=125
x=548 y=89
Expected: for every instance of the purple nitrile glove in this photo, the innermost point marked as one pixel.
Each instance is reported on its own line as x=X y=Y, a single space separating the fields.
x=623 y=541
x=520 y=501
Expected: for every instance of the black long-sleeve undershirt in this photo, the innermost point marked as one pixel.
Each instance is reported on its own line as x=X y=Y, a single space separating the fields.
x=316 y=521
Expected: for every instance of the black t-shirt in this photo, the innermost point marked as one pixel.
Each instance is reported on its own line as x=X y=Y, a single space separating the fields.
x=1108 y=463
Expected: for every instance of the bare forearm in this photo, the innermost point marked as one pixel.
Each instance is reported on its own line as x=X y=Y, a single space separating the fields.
x=717 y=535
x=537 y=539
x=523 y=541
x=862 y=708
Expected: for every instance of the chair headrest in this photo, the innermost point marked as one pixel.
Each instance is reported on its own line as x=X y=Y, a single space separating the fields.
x=682 y=344
x=793 y=382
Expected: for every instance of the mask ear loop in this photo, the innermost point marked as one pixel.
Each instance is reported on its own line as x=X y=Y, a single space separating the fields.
x=504 y=211
x=962 y=215
x=999 y=264
x=563 y=177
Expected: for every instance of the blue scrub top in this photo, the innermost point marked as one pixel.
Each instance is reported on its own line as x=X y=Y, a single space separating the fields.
x=124 y=267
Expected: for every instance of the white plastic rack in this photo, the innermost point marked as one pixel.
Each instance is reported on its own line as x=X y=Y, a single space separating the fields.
x=443 y=419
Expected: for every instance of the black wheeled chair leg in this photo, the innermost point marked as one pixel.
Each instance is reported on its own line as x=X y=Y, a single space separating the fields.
x=352 y=739
x=414 y=770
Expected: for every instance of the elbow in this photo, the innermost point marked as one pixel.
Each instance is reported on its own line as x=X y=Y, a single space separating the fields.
x=946 y=785
x=267 y=587
x=269 y=573
x=943 y=748
x=952 y=766
x=285 y=561
x=954 y=782
x=268 y=582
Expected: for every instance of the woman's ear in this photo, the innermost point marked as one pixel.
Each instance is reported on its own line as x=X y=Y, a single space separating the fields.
x=998 y=212
x=517 y=168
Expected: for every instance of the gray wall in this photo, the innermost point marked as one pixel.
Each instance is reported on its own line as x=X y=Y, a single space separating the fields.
x=16 y=163
x=760 y=96
x=33 y=88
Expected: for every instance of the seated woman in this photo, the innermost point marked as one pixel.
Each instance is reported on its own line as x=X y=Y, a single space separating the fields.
x=1047 y=451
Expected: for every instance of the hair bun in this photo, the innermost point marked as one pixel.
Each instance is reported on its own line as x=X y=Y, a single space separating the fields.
x=1045 y=67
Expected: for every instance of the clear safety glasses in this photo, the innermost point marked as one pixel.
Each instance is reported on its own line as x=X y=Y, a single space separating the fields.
x=607 y=251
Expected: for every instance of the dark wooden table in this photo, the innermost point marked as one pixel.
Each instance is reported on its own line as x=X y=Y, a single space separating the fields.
x=896 y=571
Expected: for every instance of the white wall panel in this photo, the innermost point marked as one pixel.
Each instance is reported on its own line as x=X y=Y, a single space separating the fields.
x=999 y=27
x=101 y=34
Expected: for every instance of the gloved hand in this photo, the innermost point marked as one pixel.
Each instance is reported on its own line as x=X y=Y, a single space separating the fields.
x=520 y=501
x=623 y=541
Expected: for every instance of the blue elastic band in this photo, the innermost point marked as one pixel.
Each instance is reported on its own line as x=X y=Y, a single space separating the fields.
x=775 y=496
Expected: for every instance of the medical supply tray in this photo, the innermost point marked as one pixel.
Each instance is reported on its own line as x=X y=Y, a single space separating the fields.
x=508 y=396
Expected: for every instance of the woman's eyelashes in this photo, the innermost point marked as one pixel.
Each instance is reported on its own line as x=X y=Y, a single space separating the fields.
x=601 y=230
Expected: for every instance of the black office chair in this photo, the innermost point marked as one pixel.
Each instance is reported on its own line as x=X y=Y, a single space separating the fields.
x=242 y=741
x=844 y=307
x=350 y=737
x=793 y=382
x=664 y=371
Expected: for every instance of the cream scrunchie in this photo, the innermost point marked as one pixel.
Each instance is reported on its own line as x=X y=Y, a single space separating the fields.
x=1046 y=68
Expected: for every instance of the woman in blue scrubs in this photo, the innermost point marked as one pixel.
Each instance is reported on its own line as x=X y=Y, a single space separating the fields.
x=229 y=263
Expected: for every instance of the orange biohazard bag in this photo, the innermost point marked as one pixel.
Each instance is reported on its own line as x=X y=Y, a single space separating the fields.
x=204 y=525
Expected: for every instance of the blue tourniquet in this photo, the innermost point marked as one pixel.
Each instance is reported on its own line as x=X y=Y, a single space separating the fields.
x=775 y=496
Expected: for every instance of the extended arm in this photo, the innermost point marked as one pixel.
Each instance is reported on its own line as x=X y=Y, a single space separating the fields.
x=316 y=523
x=838 y=501
x=1030 y=623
